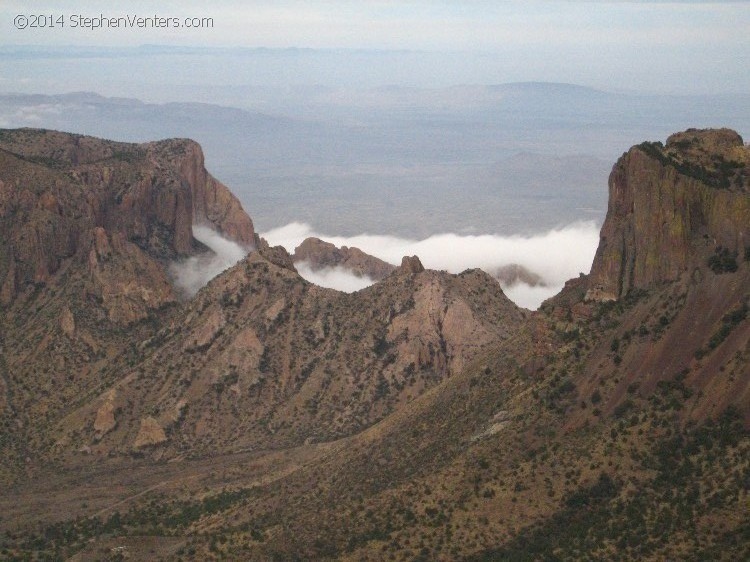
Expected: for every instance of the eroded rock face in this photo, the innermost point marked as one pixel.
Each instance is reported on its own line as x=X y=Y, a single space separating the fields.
x=670 y=206
x=150 y=433
x=110 y=204
x=126 y=281
x=208 y=330
x=213 y=202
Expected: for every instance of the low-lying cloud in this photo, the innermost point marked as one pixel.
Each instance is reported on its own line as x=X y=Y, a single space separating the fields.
x=556 y=255
x=337 y=277
x=195 y=272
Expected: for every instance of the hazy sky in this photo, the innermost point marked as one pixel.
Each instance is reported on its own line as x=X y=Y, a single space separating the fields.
x=659 y=46
x=422 y=24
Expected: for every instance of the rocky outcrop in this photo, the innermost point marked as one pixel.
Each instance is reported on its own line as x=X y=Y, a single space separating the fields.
x=125 y=280
x=277 y=255
x=320 y=254
x=213 y=203
x=671 y=206
x=105 y=415
x=411 y=264
x=150 y=433
x=209 y=329
x=67 y=322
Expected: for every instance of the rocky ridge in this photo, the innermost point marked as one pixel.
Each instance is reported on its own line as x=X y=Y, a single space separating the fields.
x=320 y=254
x=262 y=358
x=425 y=417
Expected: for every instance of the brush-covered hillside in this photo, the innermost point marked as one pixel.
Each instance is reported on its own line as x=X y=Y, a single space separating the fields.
x=423 y=418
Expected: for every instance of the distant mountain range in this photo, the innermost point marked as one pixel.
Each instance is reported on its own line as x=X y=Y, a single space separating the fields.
x=462 y=159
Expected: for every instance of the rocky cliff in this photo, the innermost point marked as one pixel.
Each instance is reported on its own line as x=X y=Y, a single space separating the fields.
x=69 y=199
x=673 y=270
x=88 y=229
x=671 y=206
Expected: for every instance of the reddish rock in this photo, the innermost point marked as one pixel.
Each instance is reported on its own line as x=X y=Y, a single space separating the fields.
x=320 y=254
x=68 y=198
x=277 y=255
x=411 y=264
x=669 y=207
x=213 y=203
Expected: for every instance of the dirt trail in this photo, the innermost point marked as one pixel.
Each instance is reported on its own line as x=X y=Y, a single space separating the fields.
x=130 y=498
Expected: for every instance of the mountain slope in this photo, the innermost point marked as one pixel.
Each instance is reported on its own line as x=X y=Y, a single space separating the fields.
x=88 y=229
x=261 y=358
x=614 y=430
x=612 y=424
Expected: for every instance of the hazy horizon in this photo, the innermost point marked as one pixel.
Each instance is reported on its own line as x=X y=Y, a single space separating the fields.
x=249 y=77
x=648 y=47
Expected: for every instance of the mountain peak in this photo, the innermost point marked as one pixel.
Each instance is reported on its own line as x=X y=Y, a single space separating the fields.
x=670 y=208
x=711 y=141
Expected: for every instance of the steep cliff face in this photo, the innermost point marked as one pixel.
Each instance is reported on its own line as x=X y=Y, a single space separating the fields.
x=64 y=196
x=670 y=207
x=674 y=264
x=213 y=203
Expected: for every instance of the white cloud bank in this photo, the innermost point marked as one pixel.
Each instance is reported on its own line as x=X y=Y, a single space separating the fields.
x=338 y=277
x=555 y=256
x=195 y=272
